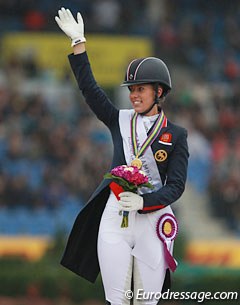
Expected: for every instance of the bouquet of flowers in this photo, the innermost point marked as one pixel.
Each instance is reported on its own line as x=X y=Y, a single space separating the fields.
x=128 y=178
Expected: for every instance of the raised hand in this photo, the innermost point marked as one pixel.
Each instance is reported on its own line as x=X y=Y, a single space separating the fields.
x=74 y=29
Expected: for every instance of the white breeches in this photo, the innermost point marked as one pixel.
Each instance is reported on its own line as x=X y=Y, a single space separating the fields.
x=134 y=251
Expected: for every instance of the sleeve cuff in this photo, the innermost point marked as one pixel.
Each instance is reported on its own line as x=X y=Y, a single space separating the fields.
x=82 y=57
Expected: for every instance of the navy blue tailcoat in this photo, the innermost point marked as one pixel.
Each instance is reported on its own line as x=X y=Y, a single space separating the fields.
x=80 y=255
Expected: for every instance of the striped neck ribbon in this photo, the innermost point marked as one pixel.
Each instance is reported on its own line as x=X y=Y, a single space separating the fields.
x=157 y=126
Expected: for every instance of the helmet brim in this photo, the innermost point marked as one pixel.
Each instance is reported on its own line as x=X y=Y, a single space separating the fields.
x=137 y=82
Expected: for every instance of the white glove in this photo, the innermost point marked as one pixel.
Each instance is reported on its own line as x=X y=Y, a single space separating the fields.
x=130 y=202
x=73 y=29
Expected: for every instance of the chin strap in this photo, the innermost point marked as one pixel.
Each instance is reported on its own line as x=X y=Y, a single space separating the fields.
x=148 y=110
x=156 y=101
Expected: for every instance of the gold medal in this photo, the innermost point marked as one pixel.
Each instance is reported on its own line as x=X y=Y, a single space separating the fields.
x=139 y=151
x=137 y=162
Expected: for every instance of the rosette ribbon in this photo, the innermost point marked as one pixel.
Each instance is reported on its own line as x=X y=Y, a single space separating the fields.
x=167 y=229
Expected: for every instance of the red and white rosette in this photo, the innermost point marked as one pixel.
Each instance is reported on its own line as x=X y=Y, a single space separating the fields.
x=167 y=230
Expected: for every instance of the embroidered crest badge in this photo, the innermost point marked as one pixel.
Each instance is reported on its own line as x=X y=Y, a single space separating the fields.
x=161 y=155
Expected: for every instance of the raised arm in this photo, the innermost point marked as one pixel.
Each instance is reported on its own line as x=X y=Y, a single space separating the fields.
x=94 y=95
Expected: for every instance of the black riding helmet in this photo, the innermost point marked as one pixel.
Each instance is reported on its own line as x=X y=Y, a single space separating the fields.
x=149 y=70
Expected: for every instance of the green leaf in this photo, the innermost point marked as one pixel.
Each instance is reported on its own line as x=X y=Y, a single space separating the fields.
x=149 y=185
x=108 y=176
x=126 y=185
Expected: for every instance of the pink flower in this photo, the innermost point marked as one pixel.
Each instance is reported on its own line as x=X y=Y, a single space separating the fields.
x=131 y=174
x=130 y=178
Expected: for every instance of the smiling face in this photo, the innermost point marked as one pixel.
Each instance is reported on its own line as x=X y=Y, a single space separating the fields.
x=142 y=97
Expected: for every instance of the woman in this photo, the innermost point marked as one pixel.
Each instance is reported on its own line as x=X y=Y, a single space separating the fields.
x=97 y=241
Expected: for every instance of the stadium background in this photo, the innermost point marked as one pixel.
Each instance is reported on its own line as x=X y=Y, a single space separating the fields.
x=49 y=139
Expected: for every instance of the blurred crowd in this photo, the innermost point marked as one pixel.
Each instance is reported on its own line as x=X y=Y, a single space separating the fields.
x=53 y=148
x=99 y=15
x=204 y=37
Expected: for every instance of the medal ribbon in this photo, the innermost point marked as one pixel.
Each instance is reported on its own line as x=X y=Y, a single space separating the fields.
x=151 y=137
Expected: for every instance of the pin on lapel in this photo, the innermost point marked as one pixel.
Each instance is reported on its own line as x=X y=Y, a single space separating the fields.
x=165 y=138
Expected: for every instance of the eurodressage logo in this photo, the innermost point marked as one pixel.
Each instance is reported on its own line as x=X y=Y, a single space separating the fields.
x=197 y=296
